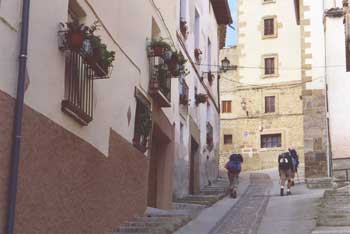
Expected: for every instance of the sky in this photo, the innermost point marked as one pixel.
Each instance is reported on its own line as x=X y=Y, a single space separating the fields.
x=231 y=38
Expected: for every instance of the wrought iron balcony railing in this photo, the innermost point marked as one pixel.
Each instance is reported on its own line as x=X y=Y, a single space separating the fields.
x=78 y=102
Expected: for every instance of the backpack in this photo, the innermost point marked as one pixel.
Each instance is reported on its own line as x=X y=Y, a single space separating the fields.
x=283 y=161
x=234 y=164
x=294 y=155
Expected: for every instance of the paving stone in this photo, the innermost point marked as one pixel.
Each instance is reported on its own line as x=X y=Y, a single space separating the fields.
x=246 y=214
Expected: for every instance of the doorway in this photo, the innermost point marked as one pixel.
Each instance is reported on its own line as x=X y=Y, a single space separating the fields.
x=194 y=168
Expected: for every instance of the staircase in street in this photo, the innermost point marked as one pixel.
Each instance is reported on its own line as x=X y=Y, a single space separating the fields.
x=184 y=210
x=334 y=213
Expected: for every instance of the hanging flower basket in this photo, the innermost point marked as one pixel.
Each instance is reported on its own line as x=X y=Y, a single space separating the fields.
x=201 y=98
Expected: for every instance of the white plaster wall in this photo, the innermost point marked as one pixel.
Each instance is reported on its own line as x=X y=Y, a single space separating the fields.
x=251 y=13
x=338 y=88
x=129 y=24
x=316 y=29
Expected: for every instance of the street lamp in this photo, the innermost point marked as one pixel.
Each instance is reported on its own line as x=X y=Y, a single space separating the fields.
x=225 y=65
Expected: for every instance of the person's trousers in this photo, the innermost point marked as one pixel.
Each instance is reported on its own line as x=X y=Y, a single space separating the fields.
x=233 y=178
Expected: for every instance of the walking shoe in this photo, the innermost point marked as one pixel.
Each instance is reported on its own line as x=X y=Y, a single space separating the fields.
x=234 y=195
x=289 y=193
x=282 y=192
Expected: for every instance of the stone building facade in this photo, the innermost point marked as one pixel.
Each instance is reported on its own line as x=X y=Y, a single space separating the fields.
x=84 y=167
x=262 y=106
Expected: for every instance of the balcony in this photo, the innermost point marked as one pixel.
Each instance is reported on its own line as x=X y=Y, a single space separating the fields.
x=78 y=102
x=160 y=82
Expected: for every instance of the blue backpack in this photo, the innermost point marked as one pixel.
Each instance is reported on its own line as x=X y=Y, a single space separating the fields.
x=234 y=164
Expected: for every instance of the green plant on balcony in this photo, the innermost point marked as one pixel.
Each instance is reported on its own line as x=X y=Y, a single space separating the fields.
x=177 y=64
x=76 y=34
x=159 y=47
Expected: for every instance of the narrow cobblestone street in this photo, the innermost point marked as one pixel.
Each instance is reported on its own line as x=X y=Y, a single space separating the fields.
x=246 y=215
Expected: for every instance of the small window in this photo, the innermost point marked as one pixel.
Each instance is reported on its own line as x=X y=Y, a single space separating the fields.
x=270 y=104
x=228 y=139
x=269 y=27
x=226 y=106
x=271 y=141
x=269 y=66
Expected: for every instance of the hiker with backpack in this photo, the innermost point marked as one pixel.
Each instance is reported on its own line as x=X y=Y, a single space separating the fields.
x=285 y=166
x=295 y=161
x=233 y=167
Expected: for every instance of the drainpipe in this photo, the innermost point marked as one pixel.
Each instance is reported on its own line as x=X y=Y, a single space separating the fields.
x=329 y=153
x=17 y=129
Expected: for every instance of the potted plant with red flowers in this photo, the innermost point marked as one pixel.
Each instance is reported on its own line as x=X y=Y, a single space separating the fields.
x=198 y=54
x=177 y=64
x=76 y=34
x=201 y=98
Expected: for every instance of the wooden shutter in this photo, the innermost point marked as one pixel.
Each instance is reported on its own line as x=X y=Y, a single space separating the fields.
x=269 y=27
x=269 y=66
x=270 y=104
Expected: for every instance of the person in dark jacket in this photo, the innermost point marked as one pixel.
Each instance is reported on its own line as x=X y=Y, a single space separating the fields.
x=233 y=167
x=285 y=166
x=295 y=161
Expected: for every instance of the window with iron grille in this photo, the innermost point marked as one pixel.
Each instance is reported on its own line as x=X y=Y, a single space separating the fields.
x=78 y=102
x=269 y=26
x=226 y=106
x=271 y=141
x=270 y=104
x=228 y=139
x=269 y=66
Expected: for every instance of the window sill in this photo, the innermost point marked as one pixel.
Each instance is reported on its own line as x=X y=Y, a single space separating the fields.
x=273 y=36
x=270 y=76
x=75 y=112
x=271 y=149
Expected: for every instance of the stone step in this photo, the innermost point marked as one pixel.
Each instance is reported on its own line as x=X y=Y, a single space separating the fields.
x=332 y=230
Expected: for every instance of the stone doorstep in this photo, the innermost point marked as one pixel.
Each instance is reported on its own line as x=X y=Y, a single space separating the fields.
x=332 y=230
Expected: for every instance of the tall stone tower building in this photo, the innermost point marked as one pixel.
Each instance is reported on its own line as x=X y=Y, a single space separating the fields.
x=262 y=102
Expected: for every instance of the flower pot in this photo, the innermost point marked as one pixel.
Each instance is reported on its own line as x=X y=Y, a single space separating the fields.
x=75 y=40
